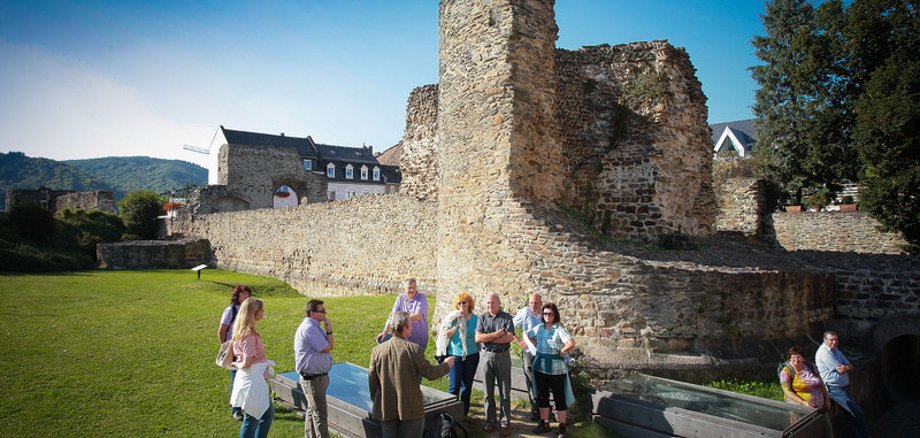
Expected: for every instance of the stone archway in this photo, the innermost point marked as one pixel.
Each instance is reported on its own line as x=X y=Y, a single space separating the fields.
x=285 y=196
x=897 y=342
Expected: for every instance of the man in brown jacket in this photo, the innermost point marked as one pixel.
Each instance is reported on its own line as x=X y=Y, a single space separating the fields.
x=395 y=382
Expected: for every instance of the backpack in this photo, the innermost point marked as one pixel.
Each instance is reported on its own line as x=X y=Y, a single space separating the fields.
x=444 y=426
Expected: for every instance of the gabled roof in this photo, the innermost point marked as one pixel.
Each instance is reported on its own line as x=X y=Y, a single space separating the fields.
x=304 y=146
x=343 y=154
x=740 y=135
x=391 y=156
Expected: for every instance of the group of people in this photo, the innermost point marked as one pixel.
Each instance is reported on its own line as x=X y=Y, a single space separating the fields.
x=815 y=386
x=466 y=340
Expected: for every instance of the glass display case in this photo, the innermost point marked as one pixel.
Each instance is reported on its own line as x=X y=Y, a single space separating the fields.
x=349 y=400
x=641 y=405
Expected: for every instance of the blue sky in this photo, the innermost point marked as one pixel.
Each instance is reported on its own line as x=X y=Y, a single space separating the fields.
x=94 y=78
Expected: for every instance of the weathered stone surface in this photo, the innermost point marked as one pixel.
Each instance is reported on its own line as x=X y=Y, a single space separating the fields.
x=249 y=175
x=832 y=231
x=418 y=162
x=97 y=200
x=741 y=206
x=153 y=254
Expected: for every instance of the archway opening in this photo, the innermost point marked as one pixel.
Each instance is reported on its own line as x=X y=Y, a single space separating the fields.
x=284 y=196
x=901 y=367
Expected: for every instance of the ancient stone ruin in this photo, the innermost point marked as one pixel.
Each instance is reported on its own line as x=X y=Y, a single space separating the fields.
x=533 y=169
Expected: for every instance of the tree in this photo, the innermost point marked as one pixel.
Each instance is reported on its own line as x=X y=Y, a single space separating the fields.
x=803 y=118
x=33 y=222
x=139 y=211
x=886 y=36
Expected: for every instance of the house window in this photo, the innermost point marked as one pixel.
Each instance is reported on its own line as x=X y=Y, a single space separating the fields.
x=349 y=172
x=308 y=164
x=364 y=173
x=376 y=173
x=330 y=170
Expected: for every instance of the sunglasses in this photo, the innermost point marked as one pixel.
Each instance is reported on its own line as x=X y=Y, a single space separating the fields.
x=320 y=311
x=549 y=314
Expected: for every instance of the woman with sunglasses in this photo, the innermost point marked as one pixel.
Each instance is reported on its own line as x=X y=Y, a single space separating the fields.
x=550 y=370
x=459 y=327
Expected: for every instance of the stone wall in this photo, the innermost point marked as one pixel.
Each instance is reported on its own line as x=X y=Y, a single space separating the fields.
x=418 y=163
x=364 y=245
x=832 y=231
x=633 y=125
x=97 y=200
x=153 y=254
x=249 y=175
x=741 y=205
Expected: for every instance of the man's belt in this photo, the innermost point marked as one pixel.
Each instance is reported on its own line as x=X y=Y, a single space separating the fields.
x=496 y=350
x=312 y=376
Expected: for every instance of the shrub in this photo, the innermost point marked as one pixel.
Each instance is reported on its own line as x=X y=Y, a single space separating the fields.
x=27 y=258
x=819 y=199
x=33 y=222
x=139 y=211
x=846 y=199
x=81 y=230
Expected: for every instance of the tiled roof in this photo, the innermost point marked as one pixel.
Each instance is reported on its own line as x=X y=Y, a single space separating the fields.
x=304 y=146
x=391 y=156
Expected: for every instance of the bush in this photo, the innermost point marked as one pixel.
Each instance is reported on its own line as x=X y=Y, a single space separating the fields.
x=819 y=199
x=81 y=230
x=33 y=222
x=139 y=211
x=27 y=258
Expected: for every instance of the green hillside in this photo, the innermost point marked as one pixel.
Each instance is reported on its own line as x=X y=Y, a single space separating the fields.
x=18 y=171
x=143 y=173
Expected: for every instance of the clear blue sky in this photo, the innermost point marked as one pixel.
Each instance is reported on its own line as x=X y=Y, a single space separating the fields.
x=94 y=78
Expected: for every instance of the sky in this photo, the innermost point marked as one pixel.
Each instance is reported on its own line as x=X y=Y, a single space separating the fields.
x=88 y=79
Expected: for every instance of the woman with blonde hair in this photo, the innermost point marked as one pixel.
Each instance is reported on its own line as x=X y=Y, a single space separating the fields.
x=225 y=331
x=458 y=329
x=250 y=390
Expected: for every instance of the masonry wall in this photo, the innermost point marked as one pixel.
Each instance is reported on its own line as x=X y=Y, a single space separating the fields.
x=633 y=125
x=741 y=205
x=153 y=254
x=832 y=231
x=249 y=175
x=365 y=245
x=97 y=200
x=418 y=163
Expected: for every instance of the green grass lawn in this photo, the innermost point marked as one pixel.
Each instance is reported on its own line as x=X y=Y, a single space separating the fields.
x=130 y=353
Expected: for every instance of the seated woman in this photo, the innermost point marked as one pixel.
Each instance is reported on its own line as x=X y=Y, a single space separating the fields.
x=801 y=383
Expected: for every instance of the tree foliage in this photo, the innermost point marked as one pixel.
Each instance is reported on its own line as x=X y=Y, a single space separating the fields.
x=139 y=211
x=802 y=117
x=839 y=99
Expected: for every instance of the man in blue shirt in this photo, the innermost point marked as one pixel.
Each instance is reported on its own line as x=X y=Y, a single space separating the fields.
x=834 y=369
x=527 y=318
x=312 y=344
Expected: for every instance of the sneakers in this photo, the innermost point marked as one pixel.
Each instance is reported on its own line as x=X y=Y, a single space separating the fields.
x=543 y=427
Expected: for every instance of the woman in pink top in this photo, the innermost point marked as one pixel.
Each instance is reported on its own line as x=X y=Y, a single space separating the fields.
x=250 y=391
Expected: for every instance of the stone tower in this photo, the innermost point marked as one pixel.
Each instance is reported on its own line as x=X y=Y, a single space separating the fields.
x=496 y=128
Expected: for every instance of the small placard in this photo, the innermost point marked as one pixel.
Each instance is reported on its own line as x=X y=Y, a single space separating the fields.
x=199 y=267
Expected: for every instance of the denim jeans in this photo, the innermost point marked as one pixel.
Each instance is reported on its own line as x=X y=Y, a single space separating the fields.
x=257 y=427
x=232 y=378
x=461 y=378
x=856 y=418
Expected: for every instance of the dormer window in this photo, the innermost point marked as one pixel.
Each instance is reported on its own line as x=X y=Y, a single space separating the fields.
x=376 y=173
x=308 y=164
x=349 y=172
x=330 y=170
x=363 y=173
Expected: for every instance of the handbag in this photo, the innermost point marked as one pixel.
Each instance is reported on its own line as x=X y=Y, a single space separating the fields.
x=225 y=355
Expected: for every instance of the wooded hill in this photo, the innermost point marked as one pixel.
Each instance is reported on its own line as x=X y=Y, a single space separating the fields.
x=118 y=174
